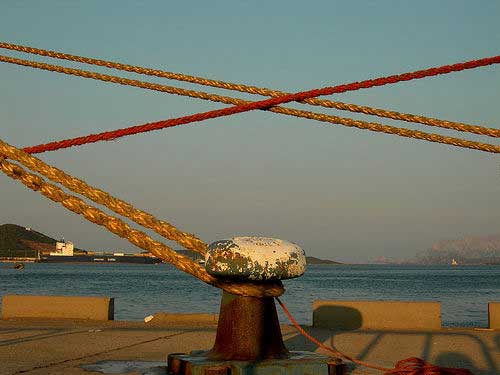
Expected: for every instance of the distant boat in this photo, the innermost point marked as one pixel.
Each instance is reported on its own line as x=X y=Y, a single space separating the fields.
x=18 y=266
x=454 y=262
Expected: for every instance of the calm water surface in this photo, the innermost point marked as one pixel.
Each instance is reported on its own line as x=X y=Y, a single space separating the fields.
x=141 y=290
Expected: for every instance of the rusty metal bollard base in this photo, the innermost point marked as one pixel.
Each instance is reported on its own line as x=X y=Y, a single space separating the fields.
x=299 y=363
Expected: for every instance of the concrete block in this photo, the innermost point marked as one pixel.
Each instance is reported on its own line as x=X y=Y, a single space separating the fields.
x=494 y=315
x=57 y=307
x=350 y=315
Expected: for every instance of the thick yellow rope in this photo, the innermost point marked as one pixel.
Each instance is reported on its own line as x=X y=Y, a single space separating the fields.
x=135 y=237
x=476 y=129
x=402 y=132
x=187 y=240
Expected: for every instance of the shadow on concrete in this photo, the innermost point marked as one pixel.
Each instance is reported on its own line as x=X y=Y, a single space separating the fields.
x=126 y=367
x=457 y=360
x=150 y=368
x=7 y=331
x=447 y=359
x=299 y=342
x=39 y=336
x=346 y=318
x=54 y=332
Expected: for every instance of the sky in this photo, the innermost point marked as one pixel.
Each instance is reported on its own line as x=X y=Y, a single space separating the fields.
x=340 y=193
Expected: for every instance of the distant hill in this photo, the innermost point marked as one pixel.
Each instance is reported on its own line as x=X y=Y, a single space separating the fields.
x=16 y=240
x=313 y=260
x=466 y=250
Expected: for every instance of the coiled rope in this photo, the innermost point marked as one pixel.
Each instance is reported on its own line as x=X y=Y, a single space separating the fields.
x=250 y=89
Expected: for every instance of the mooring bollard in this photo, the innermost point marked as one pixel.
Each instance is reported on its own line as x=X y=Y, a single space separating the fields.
x=248 y=327
x=249 y=339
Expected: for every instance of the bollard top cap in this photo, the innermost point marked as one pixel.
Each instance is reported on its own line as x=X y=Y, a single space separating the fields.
x=255 y=259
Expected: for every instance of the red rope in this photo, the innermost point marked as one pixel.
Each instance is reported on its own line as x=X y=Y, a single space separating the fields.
x=417 y=366
x=263 y=104
x=409 y=366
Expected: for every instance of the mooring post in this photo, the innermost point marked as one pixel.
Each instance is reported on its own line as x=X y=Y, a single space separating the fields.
x=249 y=339
x=248 y=329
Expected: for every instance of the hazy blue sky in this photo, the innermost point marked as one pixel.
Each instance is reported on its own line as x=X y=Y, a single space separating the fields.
x=340 y=193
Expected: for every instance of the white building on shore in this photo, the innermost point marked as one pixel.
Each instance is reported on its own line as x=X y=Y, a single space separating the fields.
x=63 y=248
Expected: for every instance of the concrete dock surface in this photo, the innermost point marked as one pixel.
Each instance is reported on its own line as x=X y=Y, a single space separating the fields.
x=37 y=347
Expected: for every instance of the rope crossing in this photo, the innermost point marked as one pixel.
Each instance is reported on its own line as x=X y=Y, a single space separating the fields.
x=146 y=220
x=411 y=366
x=270 y=104
x=250 y=89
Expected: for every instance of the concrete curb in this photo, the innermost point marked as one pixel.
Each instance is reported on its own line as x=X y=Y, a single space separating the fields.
x=351 y=315
x=57 y=307
x=494 y=315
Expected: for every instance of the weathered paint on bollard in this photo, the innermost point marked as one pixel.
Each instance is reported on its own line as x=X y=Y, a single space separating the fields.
x=249 y=339
x=255 y=259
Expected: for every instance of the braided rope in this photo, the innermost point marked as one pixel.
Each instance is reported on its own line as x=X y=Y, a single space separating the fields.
x=118 y=80
x=476 y=129
x=187 y=240
x=242 y=105
x=135 y=237
x=409 y=366
x=402 y=132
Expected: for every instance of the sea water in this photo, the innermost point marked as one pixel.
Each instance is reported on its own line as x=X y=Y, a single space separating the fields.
x=142 y=290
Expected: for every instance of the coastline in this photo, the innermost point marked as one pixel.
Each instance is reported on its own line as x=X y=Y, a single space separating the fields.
x=142 y=290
